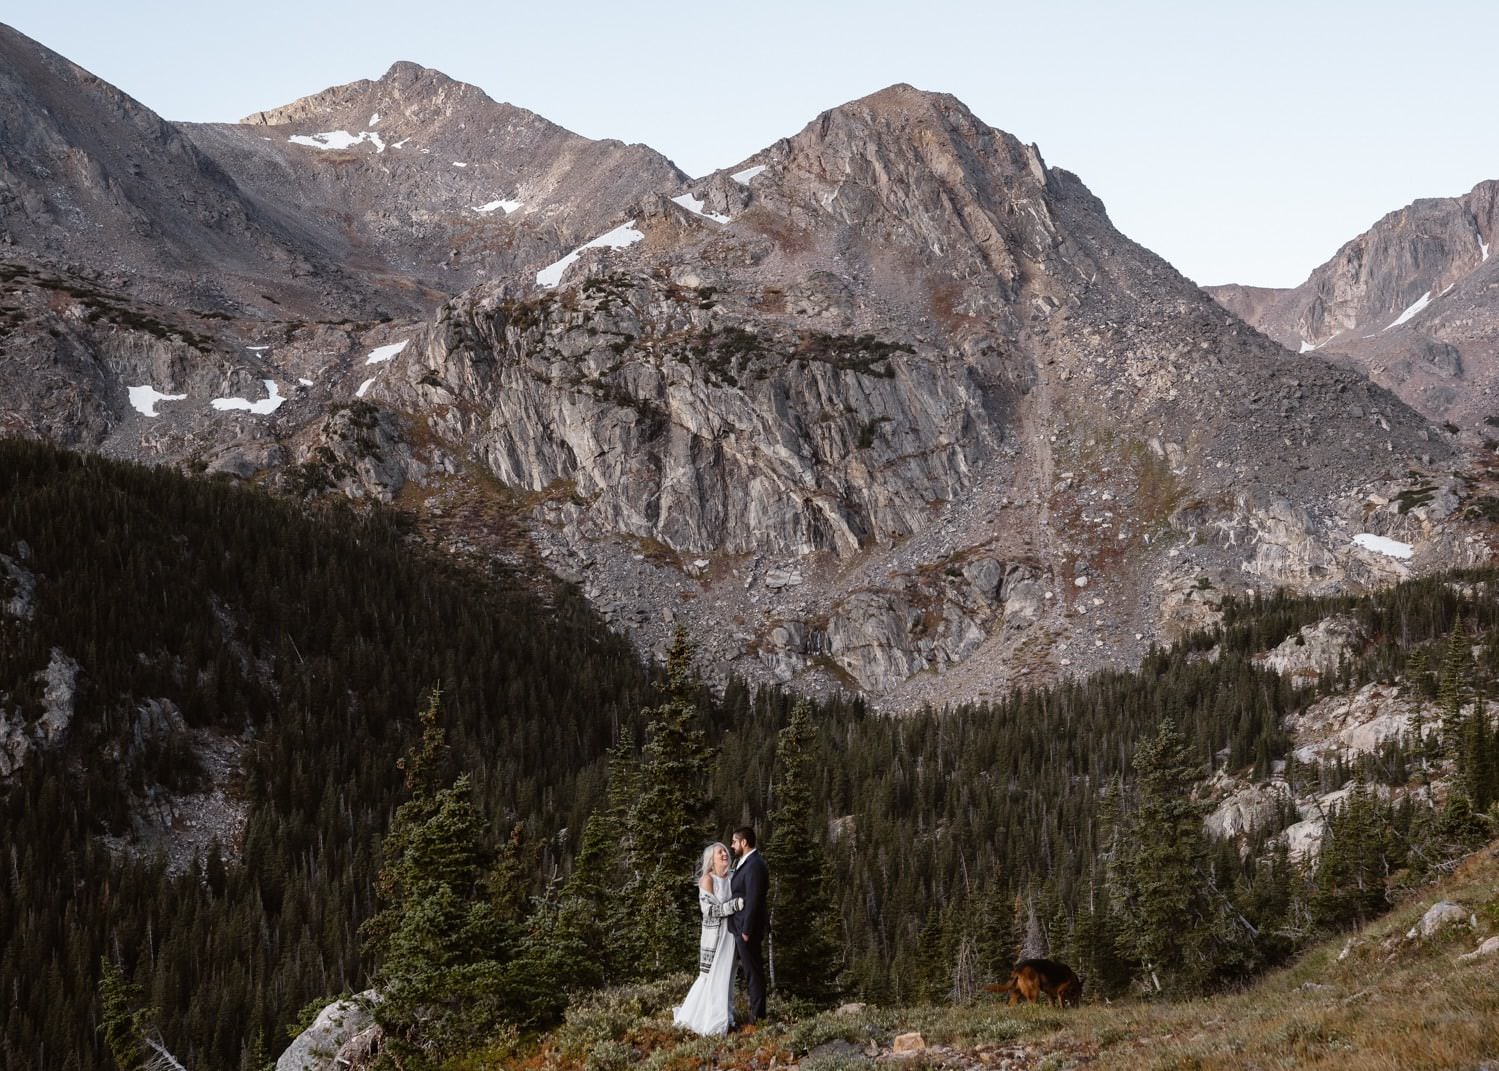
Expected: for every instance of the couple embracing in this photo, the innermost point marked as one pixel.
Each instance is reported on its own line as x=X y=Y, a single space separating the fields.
x=736 y=915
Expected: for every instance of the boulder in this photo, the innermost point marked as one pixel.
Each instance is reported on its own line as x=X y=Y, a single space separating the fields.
x=1488 y=948
x=908 y=1044
x=1439 y=917
x=317 y=1048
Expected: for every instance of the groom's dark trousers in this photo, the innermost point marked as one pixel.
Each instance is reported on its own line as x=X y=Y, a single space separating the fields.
x=751 y=880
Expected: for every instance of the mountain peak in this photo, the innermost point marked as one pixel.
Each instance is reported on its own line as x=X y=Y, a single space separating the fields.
x=904 y=106
x=403 y=71
x=421 y=92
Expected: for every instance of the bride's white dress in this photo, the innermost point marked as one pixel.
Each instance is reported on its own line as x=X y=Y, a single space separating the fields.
x=706 y=1009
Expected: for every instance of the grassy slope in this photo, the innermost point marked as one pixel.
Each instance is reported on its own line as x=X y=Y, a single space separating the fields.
x=1389 y=1002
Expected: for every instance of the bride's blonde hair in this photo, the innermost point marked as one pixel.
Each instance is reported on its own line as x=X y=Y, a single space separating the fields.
x=705 y=864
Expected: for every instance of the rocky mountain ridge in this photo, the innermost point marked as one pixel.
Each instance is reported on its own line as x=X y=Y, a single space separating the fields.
x=984 y=431
x=889 y=405
x=428 y=180
x=93 y=179
x=1411 y=302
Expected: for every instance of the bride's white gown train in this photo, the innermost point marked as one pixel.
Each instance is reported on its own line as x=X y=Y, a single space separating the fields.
x=706 y=1009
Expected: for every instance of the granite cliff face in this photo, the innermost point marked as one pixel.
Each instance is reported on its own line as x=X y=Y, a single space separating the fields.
x=1411 y=302
x=890 y=405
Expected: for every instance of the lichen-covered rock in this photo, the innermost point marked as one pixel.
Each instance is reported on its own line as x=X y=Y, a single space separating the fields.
x=1248 y=809
x=1488 y=948
x=1441 y=916
x=317 y=1047
x=1315 y=650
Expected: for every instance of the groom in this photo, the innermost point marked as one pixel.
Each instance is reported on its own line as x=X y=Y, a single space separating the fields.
x=751 y=880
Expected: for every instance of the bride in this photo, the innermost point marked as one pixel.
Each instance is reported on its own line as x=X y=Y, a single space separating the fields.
x=706 y=1009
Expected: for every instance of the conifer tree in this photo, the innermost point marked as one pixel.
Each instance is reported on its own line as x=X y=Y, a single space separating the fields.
x=586 y=946
x=1348 y=885
x=1159 y=880
x=805 y=923
x=1453 y=691
x=124 y=1020
x=440 y=938
x=668 y=822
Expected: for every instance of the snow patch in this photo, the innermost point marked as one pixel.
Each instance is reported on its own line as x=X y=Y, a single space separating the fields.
x=145 y=397
x=366 y=385
x=305 y=382
x=1483 y=247
x=386 y=353
x=1383 y=545
x=743 y=177
x=257 y=349
x=373 y=119
x=268 y=404
x=695 y=206
x=458 y=164
x=620 y=237
x=508 y=206
x=1308 y=347
x=400 y=143
x=1421 y=303
x=338 y=139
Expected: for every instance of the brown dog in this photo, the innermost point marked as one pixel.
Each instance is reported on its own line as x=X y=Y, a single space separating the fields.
x=1032 y=977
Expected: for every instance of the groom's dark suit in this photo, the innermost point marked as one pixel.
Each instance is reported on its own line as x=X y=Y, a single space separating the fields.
x=749 y=924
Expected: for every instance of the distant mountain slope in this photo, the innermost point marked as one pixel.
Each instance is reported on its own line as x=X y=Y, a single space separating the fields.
x=89 y=177
x=1414 y=301
x=421 y=175
x=902 y=411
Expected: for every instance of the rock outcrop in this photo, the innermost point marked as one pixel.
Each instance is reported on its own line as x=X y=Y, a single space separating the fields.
x=907 y=405
x=1315 y=650
x=341 y=1023
x=19 y=735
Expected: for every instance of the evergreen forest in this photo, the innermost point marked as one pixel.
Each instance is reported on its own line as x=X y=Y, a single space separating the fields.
x=458 y=785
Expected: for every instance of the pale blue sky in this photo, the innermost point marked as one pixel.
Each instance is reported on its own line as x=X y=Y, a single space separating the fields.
x=1243 y=142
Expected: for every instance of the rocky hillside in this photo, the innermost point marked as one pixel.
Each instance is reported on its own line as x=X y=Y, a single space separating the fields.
x=888 y=406
x=94 y=182
x=892 y=405
x=1411 y=302
x=428 y=181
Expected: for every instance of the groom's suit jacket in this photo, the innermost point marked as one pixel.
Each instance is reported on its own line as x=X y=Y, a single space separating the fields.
x=751 y=880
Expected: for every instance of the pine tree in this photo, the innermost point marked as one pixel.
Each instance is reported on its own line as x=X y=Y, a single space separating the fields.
x=667 y=825
x=1162 y=905
x=807 y=949
x=1453 y=691
x=1348 y=884
x=124 y=1020
x=440 y=939
x=585 y=947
